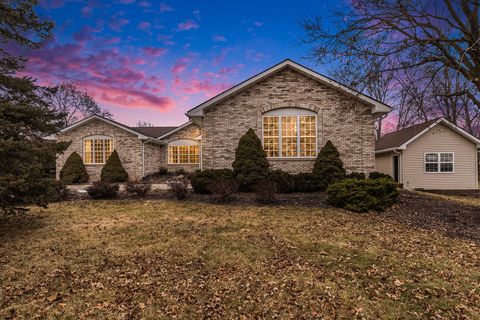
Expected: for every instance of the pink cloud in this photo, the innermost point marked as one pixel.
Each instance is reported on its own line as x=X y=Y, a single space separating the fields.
x=52 y=4
x=181 y=64
x=144 y=4
x=219 y=38
x=188 y=25
x=165 y=7
x=110 y=76
x=145 y=26
x=196 y=86
x=156 y=52
x=116 y=24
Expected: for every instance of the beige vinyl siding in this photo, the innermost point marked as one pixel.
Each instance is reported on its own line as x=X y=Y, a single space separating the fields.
x=384 y=164
x=440 y=139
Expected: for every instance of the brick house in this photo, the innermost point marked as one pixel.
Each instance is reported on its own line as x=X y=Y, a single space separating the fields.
x=293 y=110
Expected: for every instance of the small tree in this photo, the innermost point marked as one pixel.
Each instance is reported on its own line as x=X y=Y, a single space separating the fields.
x=73 y=170
x=113 y=170
x=251 y=164
x=328 y=166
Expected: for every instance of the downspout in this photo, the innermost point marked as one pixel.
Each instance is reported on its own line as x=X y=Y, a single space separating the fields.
x=143 y=159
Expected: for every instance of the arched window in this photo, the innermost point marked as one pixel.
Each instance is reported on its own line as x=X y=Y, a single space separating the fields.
x=290 y=132
x=97 y=149
x=183 y=151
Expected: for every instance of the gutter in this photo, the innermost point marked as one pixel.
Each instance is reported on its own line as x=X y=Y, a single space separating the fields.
x=390 y=149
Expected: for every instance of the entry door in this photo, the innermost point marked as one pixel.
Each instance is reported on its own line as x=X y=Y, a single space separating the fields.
x=395 y=167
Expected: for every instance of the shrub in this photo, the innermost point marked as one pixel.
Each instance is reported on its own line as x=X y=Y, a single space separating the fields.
x=284 y=181
x=328 y=166
x=251 y=164
x=363 y=195
x=355 y=175
x=180 y=171
x=102 y=190
x=73 y=170
x=265 y=191
x=179 y=188
x=224 y=189
x=305 y=182
x=58 y=192
x=379 y=175
x=201 y=179
x=162 y=171
x=113 y=170
x=137 y=189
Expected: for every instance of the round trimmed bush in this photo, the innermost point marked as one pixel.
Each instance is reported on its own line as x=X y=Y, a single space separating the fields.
x=113 y=170
x=363 y=195
x=73 y=170
x=103 y=190
x=202 y=179
x=305 y=182
x=284 y=181
x=355 y=175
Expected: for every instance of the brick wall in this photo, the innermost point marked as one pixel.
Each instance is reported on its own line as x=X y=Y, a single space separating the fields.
x=341 y=118
x=128 y=146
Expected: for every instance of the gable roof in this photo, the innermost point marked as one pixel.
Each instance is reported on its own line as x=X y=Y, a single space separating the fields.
x=175 y=129
x=378 y=107
x=153 y=132
x=143 y=133
x=401 y=138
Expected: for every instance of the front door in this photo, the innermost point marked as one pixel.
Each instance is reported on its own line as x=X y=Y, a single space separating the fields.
x=395 y=167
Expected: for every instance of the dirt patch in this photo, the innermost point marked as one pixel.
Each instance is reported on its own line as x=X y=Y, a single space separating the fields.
x=460 y=193
x=428 y=212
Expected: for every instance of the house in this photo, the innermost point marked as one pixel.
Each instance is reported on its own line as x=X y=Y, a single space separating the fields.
x=294 y=111
x=432 y=155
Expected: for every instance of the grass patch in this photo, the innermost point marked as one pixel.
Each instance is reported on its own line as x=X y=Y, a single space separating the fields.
x=160 y=259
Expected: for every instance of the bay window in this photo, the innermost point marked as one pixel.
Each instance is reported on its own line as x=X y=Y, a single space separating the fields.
x=290 y=133
x=97 y=149
x=439 y=162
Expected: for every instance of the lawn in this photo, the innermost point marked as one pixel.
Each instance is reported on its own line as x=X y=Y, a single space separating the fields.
x=130 y=259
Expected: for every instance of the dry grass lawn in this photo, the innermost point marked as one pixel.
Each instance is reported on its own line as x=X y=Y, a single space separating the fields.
x=164 y=259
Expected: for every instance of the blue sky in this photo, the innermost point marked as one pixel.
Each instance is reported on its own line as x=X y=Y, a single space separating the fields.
x=153 y=60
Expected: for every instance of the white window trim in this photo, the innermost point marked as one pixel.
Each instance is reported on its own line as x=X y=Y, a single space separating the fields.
x=291 y=112
x=183 y=143
x=438 y=162
x=96 y=137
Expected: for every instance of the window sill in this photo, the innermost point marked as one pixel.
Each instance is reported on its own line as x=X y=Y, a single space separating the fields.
x=93 y=164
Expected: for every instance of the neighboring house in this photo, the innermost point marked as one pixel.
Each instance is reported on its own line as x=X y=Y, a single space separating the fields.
x=432 y=155
x=293 y=110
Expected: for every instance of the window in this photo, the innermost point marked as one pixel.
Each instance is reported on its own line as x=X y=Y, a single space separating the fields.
x=438 y=162
x=290 y=133
x=97 y=150
x=183 y=152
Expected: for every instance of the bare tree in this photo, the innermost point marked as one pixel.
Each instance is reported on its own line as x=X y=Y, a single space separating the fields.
x=141 y=123
x=74 y=103
x=426 y=39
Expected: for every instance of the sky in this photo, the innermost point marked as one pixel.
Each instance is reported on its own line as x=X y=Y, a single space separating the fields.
x=147 y=60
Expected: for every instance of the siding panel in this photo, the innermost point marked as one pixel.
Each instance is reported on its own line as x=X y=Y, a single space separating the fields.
x=441 y=139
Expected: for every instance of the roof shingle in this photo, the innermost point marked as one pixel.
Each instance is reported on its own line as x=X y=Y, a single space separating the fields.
x=397 y=138
x=153 y=132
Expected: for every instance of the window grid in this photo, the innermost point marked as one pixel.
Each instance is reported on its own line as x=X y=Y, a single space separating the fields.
x=183 y=154
x=97 y=151
x=297 y=136
x=436 y=162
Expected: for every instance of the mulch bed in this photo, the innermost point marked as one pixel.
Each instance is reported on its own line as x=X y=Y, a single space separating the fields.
x=460 y=193
x=451 y=218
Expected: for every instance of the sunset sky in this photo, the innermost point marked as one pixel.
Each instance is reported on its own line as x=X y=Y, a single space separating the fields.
x=153 y=60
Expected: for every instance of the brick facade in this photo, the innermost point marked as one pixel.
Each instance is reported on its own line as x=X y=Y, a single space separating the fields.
x=127 y=144
x=191 y=132
x=344 y=120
